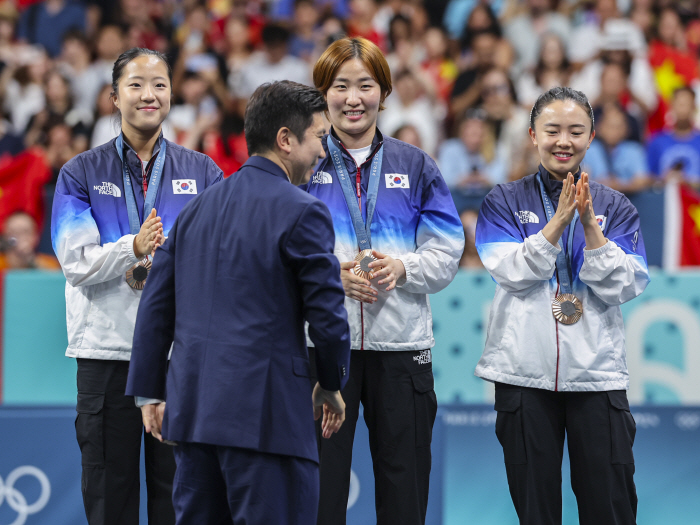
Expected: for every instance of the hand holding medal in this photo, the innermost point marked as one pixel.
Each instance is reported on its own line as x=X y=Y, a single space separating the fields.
x=356 y=286
x=387 y=269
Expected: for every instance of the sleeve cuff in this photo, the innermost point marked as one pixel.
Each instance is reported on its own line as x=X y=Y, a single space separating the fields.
x=607 y=247
x=405 y=260
x=541 y=241
x=130 y=249
x=143 y=401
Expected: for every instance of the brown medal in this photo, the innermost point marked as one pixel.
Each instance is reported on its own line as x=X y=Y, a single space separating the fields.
x=363 y=259
x=136 y=275
x=567 y=308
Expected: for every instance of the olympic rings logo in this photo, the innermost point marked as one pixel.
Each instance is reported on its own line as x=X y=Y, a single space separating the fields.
x=16 y=500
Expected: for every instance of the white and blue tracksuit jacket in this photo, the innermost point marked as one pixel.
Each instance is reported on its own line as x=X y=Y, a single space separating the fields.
x=416 y=223
x=91 y=237
x=525 y=345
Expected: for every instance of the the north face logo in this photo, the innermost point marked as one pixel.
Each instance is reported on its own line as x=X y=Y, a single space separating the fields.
x=322 y=177
x=527 y=217
x=109 y=188
x=424 y=357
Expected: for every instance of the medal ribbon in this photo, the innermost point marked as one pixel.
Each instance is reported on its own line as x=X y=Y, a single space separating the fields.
x=362 y=228
x=150 y=197
x=564 y=259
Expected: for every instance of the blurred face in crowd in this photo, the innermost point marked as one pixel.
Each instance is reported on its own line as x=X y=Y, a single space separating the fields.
x=479 y=18
x=307 y=151
x=110 y=43
x=562 y=134
x=613 y=81
x=612 y=128
x=472 y=132
x=552 y=52
x=237 y=33
x=606 y=9
x=193 y=89
x=495 y=89
x=75 y=52
x=7 y=30
x=538 y=7
x=353 y=104
x=305 y=15
x=144 y=95
x=407 y=89
x=484 y=49
x=683 y=109
x=409 y=135
x=362 y=9
x=435 y=43
x=20 y=232
x=57 y=89
x=669 y=26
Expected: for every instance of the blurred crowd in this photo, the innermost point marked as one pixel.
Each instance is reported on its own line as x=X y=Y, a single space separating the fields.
x=465 y=75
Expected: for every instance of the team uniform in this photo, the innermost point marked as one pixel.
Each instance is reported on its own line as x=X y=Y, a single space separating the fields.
x=553 y=378
x=94 y=244
x=414 y=221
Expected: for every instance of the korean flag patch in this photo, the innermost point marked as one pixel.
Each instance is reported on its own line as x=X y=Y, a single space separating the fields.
x=184 y=187
x=396 y=180
x=601 y=219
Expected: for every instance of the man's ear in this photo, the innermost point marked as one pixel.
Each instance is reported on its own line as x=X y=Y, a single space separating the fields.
x=284 y=140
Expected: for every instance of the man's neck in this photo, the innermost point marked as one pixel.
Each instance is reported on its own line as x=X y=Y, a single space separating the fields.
x=272 y=156
x=141 y=142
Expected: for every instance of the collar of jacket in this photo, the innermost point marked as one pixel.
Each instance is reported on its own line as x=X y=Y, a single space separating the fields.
x=134 y=161
x=262 y=163
x=553 y=186
x=377 y=142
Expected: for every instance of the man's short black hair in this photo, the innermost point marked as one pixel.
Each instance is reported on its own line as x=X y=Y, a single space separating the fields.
x=278 y=105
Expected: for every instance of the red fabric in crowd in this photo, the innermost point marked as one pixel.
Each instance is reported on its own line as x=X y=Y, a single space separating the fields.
x=22 y=181
x=690 y=226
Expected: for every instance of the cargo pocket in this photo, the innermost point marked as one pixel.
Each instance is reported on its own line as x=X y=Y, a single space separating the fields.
x=88 y=429
x=509 y=424
x=425 y=406
x=622 y=428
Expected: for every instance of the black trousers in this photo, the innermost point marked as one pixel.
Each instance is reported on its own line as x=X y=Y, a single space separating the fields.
x=599 y=428
x=109 y=428
x=396 y=390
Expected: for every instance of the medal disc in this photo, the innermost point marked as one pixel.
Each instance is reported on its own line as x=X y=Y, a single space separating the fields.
x=567 y=308
x=137 y=274
x=363 y=259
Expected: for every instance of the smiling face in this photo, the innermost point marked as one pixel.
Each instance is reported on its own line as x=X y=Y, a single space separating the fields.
x=353 y=104
x=562 y=135
x=307 y=151
x=144 y=95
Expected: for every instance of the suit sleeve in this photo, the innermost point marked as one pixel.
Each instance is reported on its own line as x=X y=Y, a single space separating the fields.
x=439 y=239
x=155 y=325
x=76 y=237
x=309 y=250
x=617 y=271
x=518 y=264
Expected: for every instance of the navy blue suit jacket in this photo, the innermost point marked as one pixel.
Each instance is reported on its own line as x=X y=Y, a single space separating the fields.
x=245 y=264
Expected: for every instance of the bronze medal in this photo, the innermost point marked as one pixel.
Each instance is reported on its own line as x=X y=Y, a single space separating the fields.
x=567 y=308
x=363 y=259
x=136 y=275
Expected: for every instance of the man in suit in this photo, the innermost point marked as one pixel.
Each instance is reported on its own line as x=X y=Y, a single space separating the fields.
x=242 y=269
